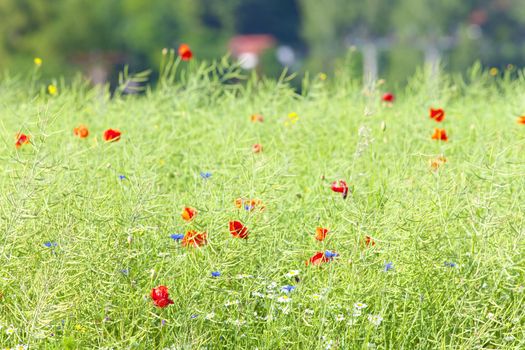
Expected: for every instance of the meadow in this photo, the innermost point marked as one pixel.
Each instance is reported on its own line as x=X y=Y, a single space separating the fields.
x=427 y=250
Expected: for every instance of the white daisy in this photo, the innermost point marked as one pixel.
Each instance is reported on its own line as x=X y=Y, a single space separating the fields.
x=231 y=302
x=340 y=318
x=210 y=316
x=375 y=319
x=360 y=306
x=284 y=299
x=317 y=297
x=292 y=273
x=10 y=330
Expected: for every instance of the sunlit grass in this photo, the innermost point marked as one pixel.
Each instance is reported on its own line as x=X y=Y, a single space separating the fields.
x=453 y=233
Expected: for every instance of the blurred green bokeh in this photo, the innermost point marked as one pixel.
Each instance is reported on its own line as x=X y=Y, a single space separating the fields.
x=72 y=35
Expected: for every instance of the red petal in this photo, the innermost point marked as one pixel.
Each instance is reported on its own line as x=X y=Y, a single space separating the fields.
x=237 y=229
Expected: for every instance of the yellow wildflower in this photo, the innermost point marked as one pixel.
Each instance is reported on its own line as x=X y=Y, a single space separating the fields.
x=52 y=89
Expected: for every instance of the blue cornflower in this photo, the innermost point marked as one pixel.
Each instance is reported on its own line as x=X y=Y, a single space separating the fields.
x=215 y=274
x=330 y=255
x=287 y=289
x=205 y=175
x=122 y=177
x=194 y=316
x=248 y=207
x=450 y=264
x=177 y=236
x=125 y=271
x=50 y=244
x=388 y=266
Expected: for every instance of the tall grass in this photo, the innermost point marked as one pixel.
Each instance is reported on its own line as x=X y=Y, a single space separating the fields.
x=455 y=236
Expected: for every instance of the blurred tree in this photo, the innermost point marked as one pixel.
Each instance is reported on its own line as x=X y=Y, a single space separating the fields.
x=398 y=33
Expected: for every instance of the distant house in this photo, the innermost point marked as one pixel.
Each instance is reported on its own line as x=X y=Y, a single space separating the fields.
x=248 y=48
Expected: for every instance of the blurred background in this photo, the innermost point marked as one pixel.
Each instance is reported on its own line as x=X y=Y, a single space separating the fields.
x=388 y=38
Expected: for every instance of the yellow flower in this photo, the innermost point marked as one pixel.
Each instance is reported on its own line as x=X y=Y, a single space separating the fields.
x=323 y=76
x=293 y=117
x=38 y=61
x=52 y=89
x=494 y=71
x=80 y=328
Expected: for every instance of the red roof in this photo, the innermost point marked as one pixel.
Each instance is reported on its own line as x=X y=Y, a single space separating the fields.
x=252 y=43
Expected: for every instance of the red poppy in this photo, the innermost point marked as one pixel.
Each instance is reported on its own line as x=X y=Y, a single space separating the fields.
x=437 y=114
x=185 y=52
x=195 y=239
x=320 y=233
x=111 y=135
x=320 y=258
x=188 y=213
x=521 y=120
x=81 y=131
x=21 y=139
x=257 y=148
x=388 y=97
x=238 y=230
x=440 y=134
x=161 y=297
x=340 y=187
x=249 y=204
x=437 y=162
x=369 y=242
x=256 y=118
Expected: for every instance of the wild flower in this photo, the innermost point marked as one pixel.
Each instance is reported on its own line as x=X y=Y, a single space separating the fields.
x=292 y=273
x=21 y=139
x=188 y=213
x=340 y=187
x=177 y=236
x=321 y=233
x=205 y=175
x=437 y=114
x=37 y=61
x=388 y=266
x=287 y=289
x=195 y=239
x=215 y=274
x=238 y=230
x=388 y=97
x=340 y=318
x=81 y=131
x=160 y=296
x=185 y=52
x=360 y=306
x=229 y=303
x=52 y=90
x=284 y=299
x=256 y=118
x=111 y=135
x=440 y=135
x=375 y=319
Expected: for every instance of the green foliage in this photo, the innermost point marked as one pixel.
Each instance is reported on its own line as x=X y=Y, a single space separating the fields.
x=112 y=233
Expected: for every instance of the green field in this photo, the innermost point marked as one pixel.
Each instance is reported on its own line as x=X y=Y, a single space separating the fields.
x=87 y=224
